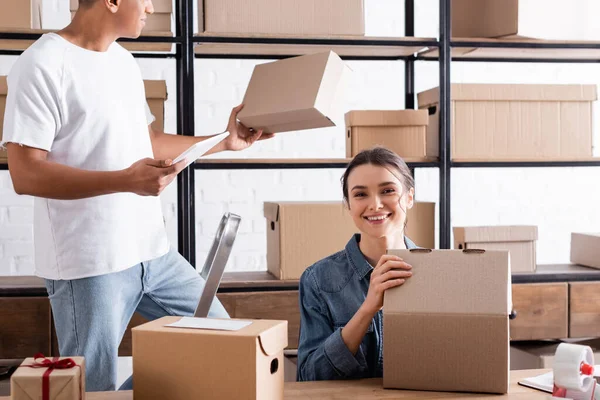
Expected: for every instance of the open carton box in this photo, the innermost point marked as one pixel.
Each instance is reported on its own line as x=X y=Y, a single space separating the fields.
x=182 y=363
x=447 y=327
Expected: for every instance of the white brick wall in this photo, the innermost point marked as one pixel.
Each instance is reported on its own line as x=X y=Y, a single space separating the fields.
x=558 y=200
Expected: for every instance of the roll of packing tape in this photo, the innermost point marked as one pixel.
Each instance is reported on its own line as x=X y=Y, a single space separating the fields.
x=567 y=367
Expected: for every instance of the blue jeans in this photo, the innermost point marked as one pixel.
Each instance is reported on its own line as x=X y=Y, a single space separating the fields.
x=91 y=314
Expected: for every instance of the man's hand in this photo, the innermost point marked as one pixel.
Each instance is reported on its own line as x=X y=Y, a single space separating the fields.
x=149 y=177
x=240 y=137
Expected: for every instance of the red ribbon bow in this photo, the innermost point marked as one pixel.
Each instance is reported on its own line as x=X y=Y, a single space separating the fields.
x=53 y=364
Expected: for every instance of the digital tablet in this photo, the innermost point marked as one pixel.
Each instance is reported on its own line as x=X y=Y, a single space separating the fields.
x=197 y=150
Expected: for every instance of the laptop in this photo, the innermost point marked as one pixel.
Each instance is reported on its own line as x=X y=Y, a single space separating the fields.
x=215 y=263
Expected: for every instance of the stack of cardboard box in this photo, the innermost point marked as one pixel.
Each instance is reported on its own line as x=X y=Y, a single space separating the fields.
x=275 y=17
x=21 y=14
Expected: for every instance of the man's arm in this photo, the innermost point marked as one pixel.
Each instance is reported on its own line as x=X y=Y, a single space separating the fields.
x=32 y=174
x=167 y=147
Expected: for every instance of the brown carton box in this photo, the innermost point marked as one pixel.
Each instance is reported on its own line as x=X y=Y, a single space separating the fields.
x=295 y=93
x=156 y=95
x=446 y=328
x=276 y=17
x=585 y=249
x=518 y=240
x=21 y=14
x=514 y=122
x=402 y=131
x=301 y=233
x=64 y=384
x=542 y=19
x=3 y=92
x=186 y=363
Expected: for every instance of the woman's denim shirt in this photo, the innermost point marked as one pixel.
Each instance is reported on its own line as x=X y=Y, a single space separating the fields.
x=331 y=291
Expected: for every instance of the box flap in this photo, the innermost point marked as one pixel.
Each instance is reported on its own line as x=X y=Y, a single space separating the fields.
x=453 y=282
x=3 y=86
x=274 y=340
x=155 y=89
x=484 y=234
x=386 y=118
x=507 y=92
x=271 y=211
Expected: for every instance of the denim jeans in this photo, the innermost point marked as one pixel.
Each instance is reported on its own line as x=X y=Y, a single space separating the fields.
x=91 y=314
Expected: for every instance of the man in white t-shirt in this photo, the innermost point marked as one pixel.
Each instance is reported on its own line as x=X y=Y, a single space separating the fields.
x=77 y=129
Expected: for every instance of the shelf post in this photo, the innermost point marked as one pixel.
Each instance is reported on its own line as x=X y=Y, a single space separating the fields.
x=444 y=112
x=409 y=65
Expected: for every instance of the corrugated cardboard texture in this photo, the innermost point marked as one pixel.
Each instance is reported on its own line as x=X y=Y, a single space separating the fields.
x=3 y=91
x=65 y=384
x=402 y=131
x=515 y=121
x=406 y=141
x=302 y=17
x=453 y=315
x=302 y=233
x=293 y=94
x=484 y=18
x=585 y=249
x=21 y=14
x=518 y=240
x=156 y=94
x=181 y=364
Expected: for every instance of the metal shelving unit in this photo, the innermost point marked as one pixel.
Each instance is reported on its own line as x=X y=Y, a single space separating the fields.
x=409 y=49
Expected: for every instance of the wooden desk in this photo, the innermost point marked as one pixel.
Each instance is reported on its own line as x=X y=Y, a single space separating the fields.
x=369 y=389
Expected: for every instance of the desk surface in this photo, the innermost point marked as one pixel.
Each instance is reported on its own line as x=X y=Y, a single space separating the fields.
x=368 y=389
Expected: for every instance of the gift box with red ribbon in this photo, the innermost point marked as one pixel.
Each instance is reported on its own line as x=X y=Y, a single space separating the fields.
x=49 y=378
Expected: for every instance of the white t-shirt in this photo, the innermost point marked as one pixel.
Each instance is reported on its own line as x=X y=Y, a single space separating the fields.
x=88 y=110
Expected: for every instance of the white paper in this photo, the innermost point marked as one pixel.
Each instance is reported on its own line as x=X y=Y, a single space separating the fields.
x=211 y=324
x=197 y=150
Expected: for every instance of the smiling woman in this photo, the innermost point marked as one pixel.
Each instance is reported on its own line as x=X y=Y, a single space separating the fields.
x=341 y=296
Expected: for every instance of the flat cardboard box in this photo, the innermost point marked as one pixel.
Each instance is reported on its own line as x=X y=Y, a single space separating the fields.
x=446 y=328
x=302 y=233
x=156 y=95
x=585 y=249
x=295 y=93
x=541 y=19
x=185 y=363
x=21 y=14
x=520 y=241
x=3 y=92
x=504 y=122
x=540 y=354
x=65 y=384
x=402 y=131
x=290 y=17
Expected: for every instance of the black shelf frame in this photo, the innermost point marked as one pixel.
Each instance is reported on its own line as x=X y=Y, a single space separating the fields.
x=185 y=40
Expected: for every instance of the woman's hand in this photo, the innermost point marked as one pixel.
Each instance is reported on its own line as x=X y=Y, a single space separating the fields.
x=390 y=272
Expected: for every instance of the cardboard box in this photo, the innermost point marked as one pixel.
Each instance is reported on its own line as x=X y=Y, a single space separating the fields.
x=64 y=384
x=450 y=318
x=295 y=93
x=542 y=19
x=159 y=21
x=520 y=241
x=403 y=131
x=540 y=354
x=585 y=249
x=21 y=14
x=3 y=92
x=184 y=363
x=302 y=233
x=514 y=122
x=290 y=17
x=156 y=95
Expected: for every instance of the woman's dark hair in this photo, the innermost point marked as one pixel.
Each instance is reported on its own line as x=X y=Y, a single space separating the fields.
x=381 y=157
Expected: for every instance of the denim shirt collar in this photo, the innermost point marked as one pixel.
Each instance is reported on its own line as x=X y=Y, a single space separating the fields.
x=358 y=260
